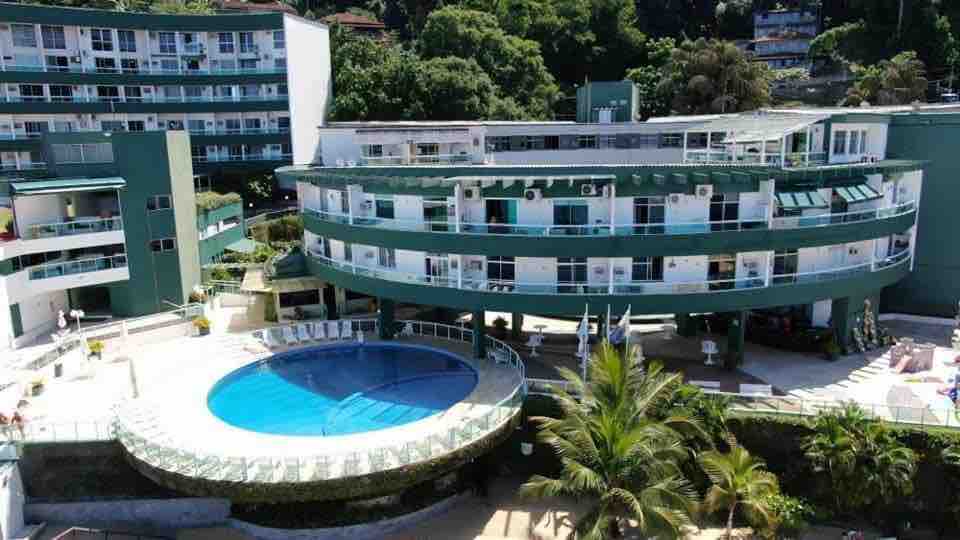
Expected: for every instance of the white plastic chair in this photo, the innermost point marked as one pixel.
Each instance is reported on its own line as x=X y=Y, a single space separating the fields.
x=304 y=333
x=289 y=337
x=270 y=339
x=709 y=348
x=319 y=332
x=333 y=330
x=346 y=329
x=407 y=330
x=535 y=340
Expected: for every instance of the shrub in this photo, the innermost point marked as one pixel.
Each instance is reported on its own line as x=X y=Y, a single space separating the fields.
x=95 y=346
x=211 y=200
x=201 y=323
x=791 y=515
x=197 y=297
x=500 y=327
x=219 y=273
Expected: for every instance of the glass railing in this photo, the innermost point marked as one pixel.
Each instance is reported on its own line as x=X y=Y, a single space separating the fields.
x=519 y=286
x=23 y=166
x=144 y=99
x=415 y=160
x=244 y=157
x=143 y=70
x=79 y=266
x=77 y=226
x=606 y=229
x=241 y=131
x=148 y=438
x=791 y=160
x=823 y=220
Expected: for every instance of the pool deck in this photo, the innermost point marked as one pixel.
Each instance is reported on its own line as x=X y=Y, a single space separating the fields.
x=174 y=414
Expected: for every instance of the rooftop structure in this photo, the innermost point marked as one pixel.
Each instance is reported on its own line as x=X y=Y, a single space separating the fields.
x=781 y=38
x=223 y=78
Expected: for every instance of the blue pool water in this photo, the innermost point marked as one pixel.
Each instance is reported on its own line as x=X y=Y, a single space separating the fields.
x=341 y=389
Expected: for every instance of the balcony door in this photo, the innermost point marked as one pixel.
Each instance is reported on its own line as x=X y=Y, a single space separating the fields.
x=437 y=268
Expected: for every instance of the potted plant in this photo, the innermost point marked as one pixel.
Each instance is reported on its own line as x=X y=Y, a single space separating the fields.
x=36 y=386
x=95 y=347
x=202 y=324
x=500 y=327
x=198 y=297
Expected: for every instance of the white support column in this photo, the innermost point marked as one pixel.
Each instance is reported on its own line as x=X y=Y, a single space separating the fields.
x=769 y=270
x=709 y=145
x=763 y=152
x=783 y=151
x=613 y=209
x=457 y=196
x=684 y=146
x=349 y=197
x=873 y=256
x=806 y=156
x=459 y=271
x=609 y=277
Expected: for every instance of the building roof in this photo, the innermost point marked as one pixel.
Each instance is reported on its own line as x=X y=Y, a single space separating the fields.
x=355 y=21
x=761 y=125
x=256 y=6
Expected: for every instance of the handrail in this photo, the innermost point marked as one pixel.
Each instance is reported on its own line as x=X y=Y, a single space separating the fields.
x=76 y=266
x=246 y=157
x=631 y=288
x=139 y=432
x=142 y=70
x=79 y=226
x=614 y=229
x=152 y=99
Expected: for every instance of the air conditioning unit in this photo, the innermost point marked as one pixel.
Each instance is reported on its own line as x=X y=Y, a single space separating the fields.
x=471 y=193
x=705 y=191
x=750 y=265
x=674 y=198
x=588 y=190
x=532 y=194
x=599 y=270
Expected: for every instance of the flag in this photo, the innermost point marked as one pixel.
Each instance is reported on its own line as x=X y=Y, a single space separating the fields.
x=583 y=335
x=622 y=331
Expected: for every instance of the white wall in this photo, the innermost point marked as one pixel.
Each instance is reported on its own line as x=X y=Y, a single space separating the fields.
x=690 y=209
x=876 y=141
x=12 y=499
x=309 y=84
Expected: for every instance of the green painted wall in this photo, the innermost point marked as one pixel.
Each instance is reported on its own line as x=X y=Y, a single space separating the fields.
x=153 y=163
x=620 y=94
x=572 y=305
x=616 y=246
x=213 y=246
x=934 y=286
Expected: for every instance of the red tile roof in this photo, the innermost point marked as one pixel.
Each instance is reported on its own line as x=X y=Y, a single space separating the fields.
x=355 y=21
x=256 y=5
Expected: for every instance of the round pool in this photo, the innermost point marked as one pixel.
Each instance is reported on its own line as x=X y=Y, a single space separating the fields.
x=341 y=389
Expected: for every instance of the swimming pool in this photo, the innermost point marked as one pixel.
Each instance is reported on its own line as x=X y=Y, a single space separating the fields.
x=341 y=389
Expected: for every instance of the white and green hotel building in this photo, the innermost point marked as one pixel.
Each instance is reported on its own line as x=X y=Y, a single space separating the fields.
x=674 y=216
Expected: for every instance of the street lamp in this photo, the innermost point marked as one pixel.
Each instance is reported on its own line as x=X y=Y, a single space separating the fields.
x=76 y=314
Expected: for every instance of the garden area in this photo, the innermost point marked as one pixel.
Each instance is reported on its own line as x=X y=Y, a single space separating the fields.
x=652 y=457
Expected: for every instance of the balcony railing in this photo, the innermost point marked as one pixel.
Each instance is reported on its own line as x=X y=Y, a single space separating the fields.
x=469 y=282
x=241 y=131
x=243 y=157
x=79 y=266
x=144 y=99
x=433 y=159
x=143 y=70
x=791 y=160
x=23 y=166
x=69 y=228
x=607 y=229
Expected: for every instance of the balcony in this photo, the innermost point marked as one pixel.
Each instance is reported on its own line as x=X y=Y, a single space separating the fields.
x=432 y=159
x=145 y=99
x=645 y=297
x=73 y=227
x=613 y=240
x=141 y=70
x=79 y=266
x=23 y=166
x=242 y=157
x=240 y=131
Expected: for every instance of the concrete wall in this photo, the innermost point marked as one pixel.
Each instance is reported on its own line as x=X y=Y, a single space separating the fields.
x=143 y=515
x=310 y=85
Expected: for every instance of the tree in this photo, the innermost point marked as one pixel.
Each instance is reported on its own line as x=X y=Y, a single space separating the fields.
x=514 y=64
x=897 y=81
x=739 y=481
x=713 y=76
x=654 y=101
x=451 y=88
x=616 y=453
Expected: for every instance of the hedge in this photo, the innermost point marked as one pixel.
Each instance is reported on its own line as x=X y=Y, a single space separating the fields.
x=211 y=200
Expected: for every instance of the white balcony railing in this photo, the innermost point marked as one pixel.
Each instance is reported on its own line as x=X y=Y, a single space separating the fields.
x=143 y=70
x=240 y=131
x=77 y=226
x=519 y=286
x=242 y=157
x=78 y=266
x=143 y=99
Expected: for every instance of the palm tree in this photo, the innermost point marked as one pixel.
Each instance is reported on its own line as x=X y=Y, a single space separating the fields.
x=617 y=451
x=831 y=449
x=739 y=480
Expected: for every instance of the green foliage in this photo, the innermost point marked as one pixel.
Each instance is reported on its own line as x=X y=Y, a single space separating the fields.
x=451 y=88
x=201 y=323
x=791 y=515
x=714 y=77
x=261 y=254
x=897 y=81
x=218 y=273
x=95 y=346
x=616 y=454
x=284 y=229
x=866 y=466
x=739 y=480
x=211 y=200
x=259 y=189
x=179 y=7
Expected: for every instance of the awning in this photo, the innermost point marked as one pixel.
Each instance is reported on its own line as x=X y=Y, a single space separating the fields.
x=759 y=126
x=244 y=245
x=792 y=200
x=857 y=193
x=66 y=185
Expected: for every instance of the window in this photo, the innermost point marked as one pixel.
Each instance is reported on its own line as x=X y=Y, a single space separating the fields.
x=168 y=42
x=428 y=149
x=31 y=92
x=299 y=298
x=863 y=142
x=246 y=42
x=64 y=127
x=854 y=142
x=232 y=125
x=193 y=93
x=387 y=257
x=551 y=142
x=571 y=273
x=608 y=141
x=721 y=271
x=163 y=244
x=171 y=92
x=648 y=214
x=839 y=142
x=127 y=40
x=279 y=40
x=283 y=125
x=35 y=129
x=368 y=150
x=196 y=126
x=671 y=140
x=58 y=63
x=250 y=90
x=384 y=208
x=279 y=64
x=501 y=269
x=498 y=144
x=53 y=37
x=83 y=153
x=248 y=64
x=136 y=125
x=101 y=39
x=23 y=35
x=586 y=141
x=105 y=65
x=725 y=207
x=281 y=89
x=133 y=94
x=223 y=91
x=647 y=269
x=129 y=65
x=535 y=142
x=225 y=42
x=108 y=93
x=112 y=125
x=570 y=212
x=61 y=92
x=645 y=141
x=251 y=125
x=169 y=65
x=785 y=265
x=158 y=202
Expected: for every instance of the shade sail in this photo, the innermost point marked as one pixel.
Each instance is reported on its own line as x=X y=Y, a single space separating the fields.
x=66 y=185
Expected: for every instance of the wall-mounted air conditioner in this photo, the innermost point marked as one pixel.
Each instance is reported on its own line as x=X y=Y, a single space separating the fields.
x=588 y=190
x=674 y=198
x=471 y=193
x=704 y=191
x=532 y=194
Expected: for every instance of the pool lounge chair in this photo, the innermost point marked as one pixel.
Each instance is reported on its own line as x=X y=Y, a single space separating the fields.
x=318 y=330
x=289 y=337
x=269 y=338
x=407 y=330
x=304 y=333
x=346 y=329
x=333 y=330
